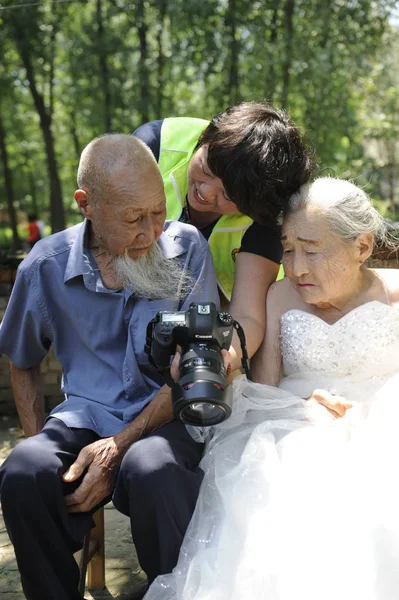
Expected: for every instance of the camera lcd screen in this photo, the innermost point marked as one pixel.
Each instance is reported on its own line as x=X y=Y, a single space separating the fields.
x=174 y=318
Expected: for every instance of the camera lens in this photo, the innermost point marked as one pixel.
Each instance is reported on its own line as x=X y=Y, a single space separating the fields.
x=200 y=396
x=204 y=413
x=202 y=403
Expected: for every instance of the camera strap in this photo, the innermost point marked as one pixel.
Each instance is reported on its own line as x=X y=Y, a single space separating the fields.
x=243 y=342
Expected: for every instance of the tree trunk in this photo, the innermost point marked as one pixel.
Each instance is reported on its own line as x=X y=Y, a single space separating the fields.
x=289 y=16
x=16 y=242
x=143 y=70
x=104 y=72
x=231 y=25
x=74 y=134
x=56 y=205
x=270 y=87
x=32 y=190
x=160 y=60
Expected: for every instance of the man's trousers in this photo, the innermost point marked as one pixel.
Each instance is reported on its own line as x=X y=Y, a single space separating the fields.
x=157 y=487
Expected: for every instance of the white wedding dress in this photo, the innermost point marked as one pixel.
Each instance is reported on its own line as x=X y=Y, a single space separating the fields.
x=297 y=505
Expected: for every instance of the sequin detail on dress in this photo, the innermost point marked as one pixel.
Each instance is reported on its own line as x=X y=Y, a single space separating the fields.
x=363 y=341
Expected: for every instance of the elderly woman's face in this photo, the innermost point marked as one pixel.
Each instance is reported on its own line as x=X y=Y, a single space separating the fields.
x=319 y=265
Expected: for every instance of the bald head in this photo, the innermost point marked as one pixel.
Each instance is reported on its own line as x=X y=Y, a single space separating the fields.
x=106 y=158
x=121 y=193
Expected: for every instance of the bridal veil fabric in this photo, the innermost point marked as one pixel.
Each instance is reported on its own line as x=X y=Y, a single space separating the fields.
x=297 y=505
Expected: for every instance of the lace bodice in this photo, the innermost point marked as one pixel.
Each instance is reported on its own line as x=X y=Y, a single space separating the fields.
x=362 y=344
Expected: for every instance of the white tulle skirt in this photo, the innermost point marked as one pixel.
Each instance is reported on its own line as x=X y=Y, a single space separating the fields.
x=296 y=505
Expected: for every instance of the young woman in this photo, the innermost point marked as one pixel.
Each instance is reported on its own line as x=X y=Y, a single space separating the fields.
x=223 y=175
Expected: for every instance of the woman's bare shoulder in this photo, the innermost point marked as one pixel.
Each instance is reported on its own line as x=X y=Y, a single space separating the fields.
x=282 y=297
x=390 y=280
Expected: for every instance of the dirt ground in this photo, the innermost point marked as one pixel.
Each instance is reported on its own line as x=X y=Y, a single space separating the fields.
x=124 y=578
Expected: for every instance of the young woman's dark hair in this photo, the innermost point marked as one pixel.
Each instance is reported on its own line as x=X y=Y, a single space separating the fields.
x=259 y=155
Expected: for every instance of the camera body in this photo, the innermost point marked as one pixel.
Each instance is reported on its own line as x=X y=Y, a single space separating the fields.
x=202 y=332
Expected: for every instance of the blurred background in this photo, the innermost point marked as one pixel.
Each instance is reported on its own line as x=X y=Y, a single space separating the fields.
x=71 y=70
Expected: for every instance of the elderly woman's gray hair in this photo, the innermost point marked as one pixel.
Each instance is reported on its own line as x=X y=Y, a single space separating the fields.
x=347 y=209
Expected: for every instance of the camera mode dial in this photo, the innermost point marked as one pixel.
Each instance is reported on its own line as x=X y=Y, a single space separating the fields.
x=225 y=318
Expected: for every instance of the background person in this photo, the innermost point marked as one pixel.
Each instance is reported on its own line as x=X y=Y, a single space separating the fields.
x=222 y=175
x=33 y=230
x=300 y=497
x=91 y=290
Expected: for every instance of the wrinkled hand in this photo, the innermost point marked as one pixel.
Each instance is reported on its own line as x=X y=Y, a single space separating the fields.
x=336 y=405
x=102 y=460
x=175 y=365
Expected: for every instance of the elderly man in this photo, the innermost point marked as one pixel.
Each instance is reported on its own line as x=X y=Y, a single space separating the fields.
x=91 y=290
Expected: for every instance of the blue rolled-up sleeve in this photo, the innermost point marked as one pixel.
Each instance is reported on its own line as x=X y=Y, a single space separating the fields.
x=25 y=334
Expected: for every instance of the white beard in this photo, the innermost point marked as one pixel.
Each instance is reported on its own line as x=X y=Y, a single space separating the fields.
x=153 y=276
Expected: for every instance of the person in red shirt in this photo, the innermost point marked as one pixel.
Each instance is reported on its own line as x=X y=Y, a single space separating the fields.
x=33 y=230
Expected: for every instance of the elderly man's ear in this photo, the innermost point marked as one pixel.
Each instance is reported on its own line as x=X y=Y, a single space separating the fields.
x=84 y=204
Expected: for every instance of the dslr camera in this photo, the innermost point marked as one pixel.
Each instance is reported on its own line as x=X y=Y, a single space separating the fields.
x=199 y=397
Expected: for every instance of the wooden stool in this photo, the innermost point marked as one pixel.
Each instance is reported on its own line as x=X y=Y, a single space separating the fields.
x=92 y=558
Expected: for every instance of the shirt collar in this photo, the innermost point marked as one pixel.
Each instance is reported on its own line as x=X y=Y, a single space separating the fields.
x=171 y=244
x=79 y=262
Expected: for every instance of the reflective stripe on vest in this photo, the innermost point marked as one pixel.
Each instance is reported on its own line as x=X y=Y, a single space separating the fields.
x=179 y=139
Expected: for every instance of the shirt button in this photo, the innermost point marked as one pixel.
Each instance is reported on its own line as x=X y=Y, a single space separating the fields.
x=127 y=377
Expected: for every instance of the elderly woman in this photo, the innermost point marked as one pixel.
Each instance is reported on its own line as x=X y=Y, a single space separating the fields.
x=300 y=498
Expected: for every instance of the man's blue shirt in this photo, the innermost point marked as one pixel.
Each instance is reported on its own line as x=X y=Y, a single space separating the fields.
x=98 y=334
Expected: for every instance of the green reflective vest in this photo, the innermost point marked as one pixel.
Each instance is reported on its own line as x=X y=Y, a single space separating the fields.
x=179 y=139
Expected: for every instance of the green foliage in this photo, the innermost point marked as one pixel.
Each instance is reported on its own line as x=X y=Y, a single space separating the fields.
x=104 y=65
